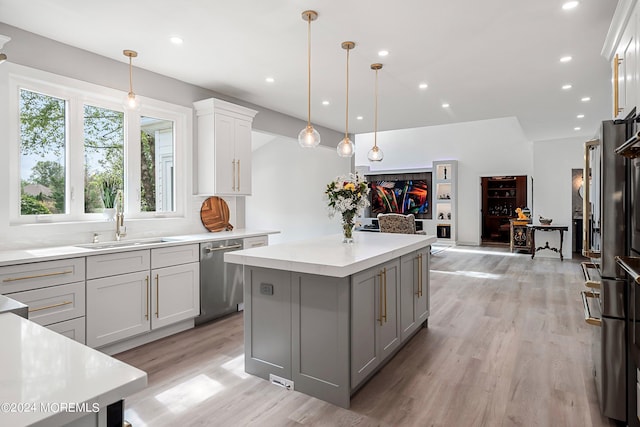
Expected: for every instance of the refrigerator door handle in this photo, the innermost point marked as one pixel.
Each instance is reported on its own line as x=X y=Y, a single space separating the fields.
x=595 y=321
x=586 y=201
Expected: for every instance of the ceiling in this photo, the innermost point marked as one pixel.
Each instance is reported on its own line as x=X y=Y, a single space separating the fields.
x=487 y=59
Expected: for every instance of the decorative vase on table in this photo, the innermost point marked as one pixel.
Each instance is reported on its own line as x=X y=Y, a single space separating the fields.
x=109 y=214
x=347 y=196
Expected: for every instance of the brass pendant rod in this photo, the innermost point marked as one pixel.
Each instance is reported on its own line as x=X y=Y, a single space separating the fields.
x=130 y=76
x=309 y=71
x=346 y=125
x=375 y=118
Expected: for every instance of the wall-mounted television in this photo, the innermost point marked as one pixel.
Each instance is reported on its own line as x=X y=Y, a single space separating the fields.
x=403 y=196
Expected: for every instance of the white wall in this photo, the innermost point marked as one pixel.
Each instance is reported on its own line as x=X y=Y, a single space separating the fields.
x=553 y=161
x=482 y=148
x=288 y=189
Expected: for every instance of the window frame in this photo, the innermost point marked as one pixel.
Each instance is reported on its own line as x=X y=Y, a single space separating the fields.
x=76 y=94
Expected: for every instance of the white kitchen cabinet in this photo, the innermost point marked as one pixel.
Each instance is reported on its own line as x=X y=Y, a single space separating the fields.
x=255 y=242
x=121 y=306
x=175 y=295
x=621 y=49
x=375 y=327
x=53 y=290
x=118 y=307
x=224 y=147
x=414 y=291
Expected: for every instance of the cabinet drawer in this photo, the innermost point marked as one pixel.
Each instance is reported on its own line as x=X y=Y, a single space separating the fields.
x=175 y=255
x=74 y=329
x=24 y=277
x=254 y=242
x=117 y=263
x=55 y=303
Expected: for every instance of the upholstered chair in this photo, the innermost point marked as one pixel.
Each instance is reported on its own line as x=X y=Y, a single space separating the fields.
x=397 y=223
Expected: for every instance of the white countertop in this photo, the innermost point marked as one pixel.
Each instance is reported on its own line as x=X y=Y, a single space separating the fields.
x=328 y=256
x=40 y=367
x=21 y=256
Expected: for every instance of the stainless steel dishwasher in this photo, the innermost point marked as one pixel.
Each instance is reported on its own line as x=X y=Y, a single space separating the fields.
x=220 y=283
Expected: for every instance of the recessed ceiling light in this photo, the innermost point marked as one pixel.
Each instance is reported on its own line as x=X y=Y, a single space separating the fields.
x=383 y=53
x=570 y=5
x=576 y=128
x=269 y=80
x=423 y=85
x=359 y=118
x=566 y=59
x=445 y=105
x=175 y=40
x=566 y=87
x=580 y=116
x=325 y=102
x=586 y=99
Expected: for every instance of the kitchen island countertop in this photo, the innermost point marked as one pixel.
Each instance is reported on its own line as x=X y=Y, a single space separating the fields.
x=328 y=256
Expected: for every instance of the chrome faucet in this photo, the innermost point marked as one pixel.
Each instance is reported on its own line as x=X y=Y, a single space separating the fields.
x=121 y=230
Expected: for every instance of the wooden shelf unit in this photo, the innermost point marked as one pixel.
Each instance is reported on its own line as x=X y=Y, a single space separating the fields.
x=501 y=195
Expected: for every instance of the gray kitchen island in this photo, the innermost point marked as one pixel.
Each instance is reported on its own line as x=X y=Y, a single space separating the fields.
x=321 y=316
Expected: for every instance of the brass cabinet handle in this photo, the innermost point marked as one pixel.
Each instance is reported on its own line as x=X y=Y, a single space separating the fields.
x=36 y=276
x=593 y=284
x=146 y=314
x=233 y=175
x=384 y=274
x=31 y=310
x=157 y=295
x=419 y=293
x=587 y=311
x=616 y=91
x=238 y=174
x=380 y=300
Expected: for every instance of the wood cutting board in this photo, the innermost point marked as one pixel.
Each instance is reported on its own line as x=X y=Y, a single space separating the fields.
x=214 y=214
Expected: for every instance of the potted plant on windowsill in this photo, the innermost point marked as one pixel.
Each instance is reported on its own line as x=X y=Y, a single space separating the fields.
x=109 y=194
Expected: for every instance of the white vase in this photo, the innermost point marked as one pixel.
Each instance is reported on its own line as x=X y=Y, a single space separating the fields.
x=109 y=214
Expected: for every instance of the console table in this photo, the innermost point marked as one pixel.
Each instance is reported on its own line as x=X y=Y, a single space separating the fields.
x=533 y=228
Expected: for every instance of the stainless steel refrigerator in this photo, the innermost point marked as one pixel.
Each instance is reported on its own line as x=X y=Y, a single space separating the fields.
x=605 y=236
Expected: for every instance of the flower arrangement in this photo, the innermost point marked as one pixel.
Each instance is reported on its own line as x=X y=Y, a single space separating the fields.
x=347 y=196
x=109 y=191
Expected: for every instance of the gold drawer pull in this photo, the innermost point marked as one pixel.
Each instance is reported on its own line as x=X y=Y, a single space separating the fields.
x=31 y=310
x=37 y=276
x=592 y=284
x=157 y=296
x=595 y=321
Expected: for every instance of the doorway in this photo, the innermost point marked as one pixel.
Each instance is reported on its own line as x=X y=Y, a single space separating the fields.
x=576 y=209
x=501 y=196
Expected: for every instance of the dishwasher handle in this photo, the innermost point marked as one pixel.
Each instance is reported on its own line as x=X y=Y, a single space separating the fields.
x=222 y=248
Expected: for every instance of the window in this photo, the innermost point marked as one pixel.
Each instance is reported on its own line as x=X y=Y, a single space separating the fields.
x=103 y=157
x=76 y=139
x=43 y=144
x=156 y=167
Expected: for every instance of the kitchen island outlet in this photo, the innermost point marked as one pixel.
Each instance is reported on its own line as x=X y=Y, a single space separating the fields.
x=322 y=317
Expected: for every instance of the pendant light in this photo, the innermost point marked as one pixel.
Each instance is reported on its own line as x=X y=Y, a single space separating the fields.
x=131 y=102
x=346 y=147
x=3 y=40
x=309 y=137
x=375 y=154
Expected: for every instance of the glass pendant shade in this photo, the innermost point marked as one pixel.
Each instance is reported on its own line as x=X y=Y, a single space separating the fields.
x=309 y=137
x=375 y=154
x=346 y=148
x=131 y=102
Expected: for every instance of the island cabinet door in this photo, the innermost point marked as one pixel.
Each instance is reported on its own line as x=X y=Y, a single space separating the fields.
x=375 y=326
x=320 y=337
x=414 y=291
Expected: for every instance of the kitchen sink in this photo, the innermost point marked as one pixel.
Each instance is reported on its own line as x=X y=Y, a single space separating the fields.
x=123 y=243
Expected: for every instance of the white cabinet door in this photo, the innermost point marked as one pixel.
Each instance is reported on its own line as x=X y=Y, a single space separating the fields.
x=225 y=167
x=414 y=291
x=242 y=154
x=118 y=307
x=422 y=297
x=175 y=294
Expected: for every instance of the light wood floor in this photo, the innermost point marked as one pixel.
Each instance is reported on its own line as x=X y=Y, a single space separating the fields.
x=506 y=346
